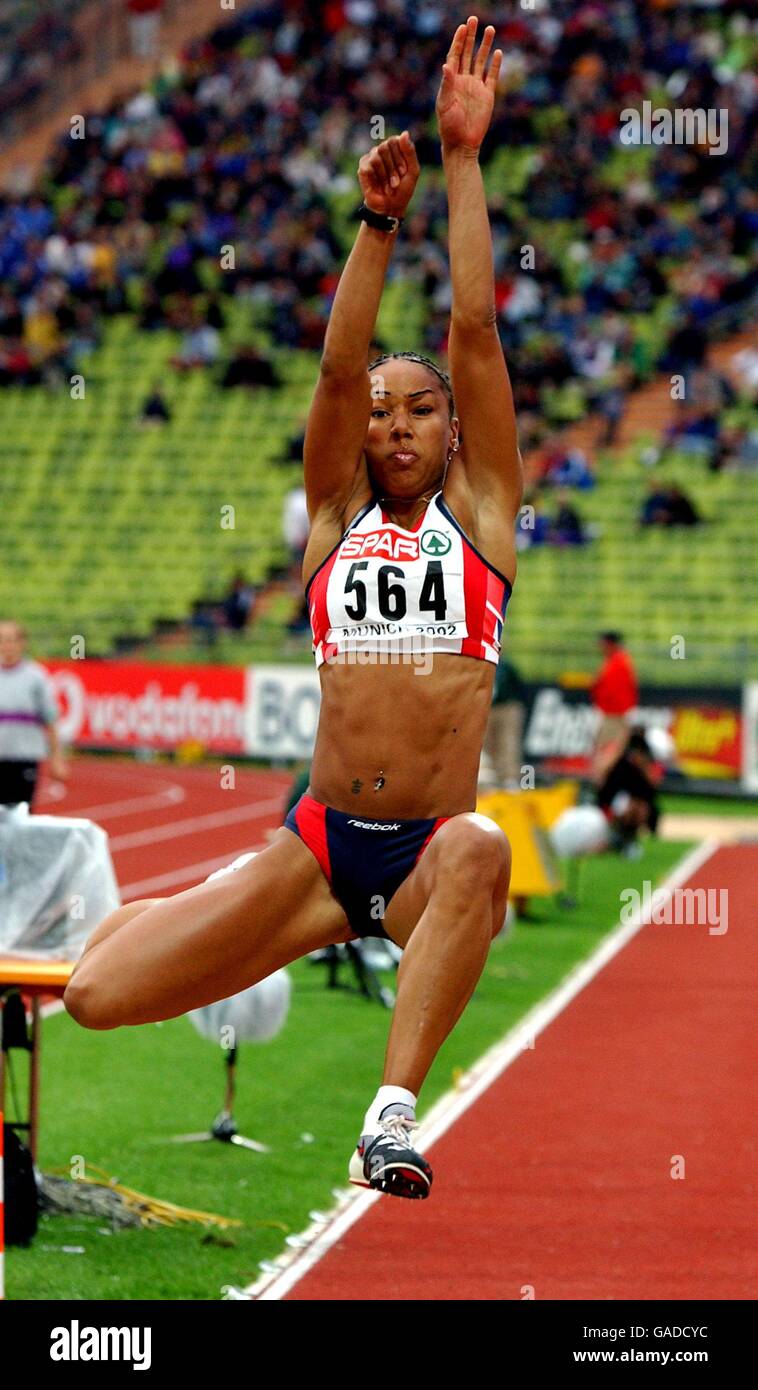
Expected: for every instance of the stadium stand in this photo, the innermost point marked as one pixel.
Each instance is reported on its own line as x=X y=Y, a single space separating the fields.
x=34 y=38
x=642 y=257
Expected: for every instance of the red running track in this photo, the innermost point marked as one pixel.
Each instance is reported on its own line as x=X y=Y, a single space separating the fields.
x=559 y=1176
x=169 y=826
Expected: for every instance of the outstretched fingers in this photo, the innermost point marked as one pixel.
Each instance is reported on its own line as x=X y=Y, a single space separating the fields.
x=460 y=58
x=469 y=40
x=455 y=51
x=494 y=70
x=484 y=51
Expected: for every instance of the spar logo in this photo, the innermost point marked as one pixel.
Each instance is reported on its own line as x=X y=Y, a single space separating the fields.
x=384 y=543
x=435 y=542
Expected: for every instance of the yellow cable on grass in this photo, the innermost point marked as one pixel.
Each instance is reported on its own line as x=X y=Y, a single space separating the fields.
x=152 y=1211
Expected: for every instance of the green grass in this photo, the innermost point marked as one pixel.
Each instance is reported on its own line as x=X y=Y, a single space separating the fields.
x=709 y=806
x=108 y=1095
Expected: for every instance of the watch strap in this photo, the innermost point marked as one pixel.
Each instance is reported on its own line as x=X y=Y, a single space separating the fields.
x=378 y=220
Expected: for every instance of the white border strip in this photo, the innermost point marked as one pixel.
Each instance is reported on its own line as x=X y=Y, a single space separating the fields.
x=320 y=1237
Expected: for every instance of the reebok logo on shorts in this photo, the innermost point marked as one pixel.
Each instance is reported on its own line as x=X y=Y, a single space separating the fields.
x=375 y=825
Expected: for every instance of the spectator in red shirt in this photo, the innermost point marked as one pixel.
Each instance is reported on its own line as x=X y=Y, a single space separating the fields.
x=614 y=693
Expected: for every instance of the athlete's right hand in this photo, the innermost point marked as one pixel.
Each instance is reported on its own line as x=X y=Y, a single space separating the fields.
x=388 y=175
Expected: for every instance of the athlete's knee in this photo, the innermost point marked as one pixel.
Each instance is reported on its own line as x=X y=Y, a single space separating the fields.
x=475 y=857
x=87 y=1000
x=85 y=1005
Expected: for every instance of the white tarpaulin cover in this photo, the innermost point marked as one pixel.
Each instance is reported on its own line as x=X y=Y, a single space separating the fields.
x=256 y=1014
x=56 y=883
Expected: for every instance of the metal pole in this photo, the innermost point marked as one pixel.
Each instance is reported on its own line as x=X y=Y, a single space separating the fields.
x=34 y=1078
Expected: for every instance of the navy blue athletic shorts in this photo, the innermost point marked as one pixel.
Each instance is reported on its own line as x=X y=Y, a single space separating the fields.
x=364 y=860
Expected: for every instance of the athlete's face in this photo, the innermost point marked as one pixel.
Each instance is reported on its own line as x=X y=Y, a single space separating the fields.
x=410 y=431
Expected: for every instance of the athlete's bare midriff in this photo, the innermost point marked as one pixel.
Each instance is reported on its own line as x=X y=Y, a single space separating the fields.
x=392 y=742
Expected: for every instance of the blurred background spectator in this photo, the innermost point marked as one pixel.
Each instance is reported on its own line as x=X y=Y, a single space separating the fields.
x=503 y=739
x=296 y=526
x=28 y=720
x=204 y=624
x=614 y=694
x=155 y=411
x=567 y=527
x=248 y=367
x=627 y=794
x=144 y=26
x=238 y=603
x=667 y=505
x=200 y=345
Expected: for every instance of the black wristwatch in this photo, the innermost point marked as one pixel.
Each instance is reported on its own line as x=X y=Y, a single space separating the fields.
x=378 y=219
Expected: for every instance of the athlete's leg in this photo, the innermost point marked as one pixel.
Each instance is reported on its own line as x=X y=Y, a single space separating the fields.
x=445 y=915
x=208 y=942
x=116 y=919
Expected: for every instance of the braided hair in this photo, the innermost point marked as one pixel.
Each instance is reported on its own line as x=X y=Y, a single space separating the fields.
x=425 y=362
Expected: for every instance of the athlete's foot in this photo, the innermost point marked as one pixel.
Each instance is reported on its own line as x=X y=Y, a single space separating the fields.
x=386 y=1159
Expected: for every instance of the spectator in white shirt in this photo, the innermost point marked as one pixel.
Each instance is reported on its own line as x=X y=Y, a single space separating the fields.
x=28 y=719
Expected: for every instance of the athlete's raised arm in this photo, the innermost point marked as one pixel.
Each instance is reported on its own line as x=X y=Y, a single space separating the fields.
x=341 y=406
x=481 y=386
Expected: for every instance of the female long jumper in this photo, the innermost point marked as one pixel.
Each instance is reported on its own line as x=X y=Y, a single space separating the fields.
x=413 y=483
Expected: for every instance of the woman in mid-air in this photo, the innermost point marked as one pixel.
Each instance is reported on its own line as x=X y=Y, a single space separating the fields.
x=413 y=483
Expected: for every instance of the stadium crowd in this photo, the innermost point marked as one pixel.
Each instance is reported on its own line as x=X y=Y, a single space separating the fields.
x=245 y=141
x=35 y=39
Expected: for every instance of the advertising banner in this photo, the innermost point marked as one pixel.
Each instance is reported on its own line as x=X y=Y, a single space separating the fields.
x=271 y=712
x=281 y=711
x=705 y=725
x=131 y=704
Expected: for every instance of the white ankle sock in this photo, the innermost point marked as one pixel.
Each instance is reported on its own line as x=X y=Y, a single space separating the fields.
x=386 y=1095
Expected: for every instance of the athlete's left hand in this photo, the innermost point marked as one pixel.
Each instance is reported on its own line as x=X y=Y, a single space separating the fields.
x=466 y=96
x=388 y=174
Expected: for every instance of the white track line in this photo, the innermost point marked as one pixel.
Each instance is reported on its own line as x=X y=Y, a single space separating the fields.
x=132 y=806
x=449 y=1108
x=212 y=820
x=189 y=871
